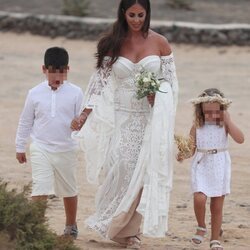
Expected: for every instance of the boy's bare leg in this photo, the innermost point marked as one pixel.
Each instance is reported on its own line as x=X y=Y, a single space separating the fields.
x=216 y=207
x=70 y=206
x=40 y=198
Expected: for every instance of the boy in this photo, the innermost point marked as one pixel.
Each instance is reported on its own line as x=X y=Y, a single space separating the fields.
x=49 y=108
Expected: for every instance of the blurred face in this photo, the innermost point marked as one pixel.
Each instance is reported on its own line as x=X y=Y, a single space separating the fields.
x=212 y=113
x=135 y=17
x=55 y=76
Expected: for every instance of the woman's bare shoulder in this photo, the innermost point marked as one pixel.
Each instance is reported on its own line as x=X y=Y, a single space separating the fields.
x=162 y=42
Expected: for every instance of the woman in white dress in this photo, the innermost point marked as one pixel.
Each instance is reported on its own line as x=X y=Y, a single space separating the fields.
x=129 y=140
x=211 y=165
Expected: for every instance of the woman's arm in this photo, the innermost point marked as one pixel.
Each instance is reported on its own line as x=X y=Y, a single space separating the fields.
x=79 y=121
x=84 y=115
x=164 y=46
x=94 y=90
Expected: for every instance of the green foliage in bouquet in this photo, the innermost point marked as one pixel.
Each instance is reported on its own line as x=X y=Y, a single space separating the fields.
x=146 y=83
x=23 y=224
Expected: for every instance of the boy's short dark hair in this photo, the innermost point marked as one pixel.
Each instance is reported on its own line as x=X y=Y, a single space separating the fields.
x=56 y=57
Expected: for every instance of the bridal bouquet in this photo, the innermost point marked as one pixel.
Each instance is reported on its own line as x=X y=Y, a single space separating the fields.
x=146 y=83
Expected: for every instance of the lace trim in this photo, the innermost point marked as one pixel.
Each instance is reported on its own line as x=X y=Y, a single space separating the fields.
x=97 y=83
x=168 y=69
x=169 y=74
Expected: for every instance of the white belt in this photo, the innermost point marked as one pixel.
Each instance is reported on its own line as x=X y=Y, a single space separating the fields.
x=209 y=151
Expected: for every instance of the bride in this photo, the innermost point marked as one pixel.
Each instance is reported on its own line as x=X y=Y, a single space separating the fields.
x=128 y=140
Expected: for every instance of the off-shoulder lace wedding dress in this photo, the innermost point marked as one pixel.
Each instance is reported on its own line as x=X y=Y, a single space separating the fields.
x=131 y=144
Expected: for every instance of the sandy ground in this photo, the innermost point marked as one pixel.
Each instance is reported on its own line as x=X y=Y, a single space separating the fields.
x=198 y=68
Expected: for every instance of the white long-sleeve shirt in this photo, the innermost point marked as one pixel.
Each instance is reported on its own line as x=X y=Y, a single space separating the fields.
x=47 y=116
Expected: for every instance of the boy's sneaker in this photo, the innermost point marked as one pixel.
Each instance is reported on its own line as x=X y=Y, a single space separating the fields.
x=71 y=231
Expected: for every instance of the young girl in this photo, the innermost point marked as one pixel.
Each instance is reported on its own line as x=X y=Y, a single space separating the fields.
x=211 y=165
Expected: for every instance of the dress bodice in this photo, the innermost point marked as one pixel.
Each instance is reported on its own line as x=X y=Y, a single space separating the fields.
x=211 y=136
x=124 y=75
x=125 y=69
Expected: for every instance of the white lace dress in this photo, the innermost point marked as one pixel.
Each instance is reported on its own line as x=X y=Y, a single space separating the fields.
x=212 y=174
x=131 y=143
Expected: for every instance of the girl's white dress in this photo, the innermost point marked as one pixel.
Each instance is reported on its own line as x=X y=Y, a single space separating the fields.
x=212 y=174
x=131 y=143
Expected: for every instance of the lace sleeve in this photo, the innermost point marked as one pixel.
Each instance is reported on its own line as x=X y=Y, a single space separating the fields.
x=169 y=74
x=97 y=83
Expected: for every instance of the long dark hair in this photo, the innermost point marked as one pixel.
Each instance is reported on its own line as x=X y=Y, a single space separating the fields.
x=111 y=42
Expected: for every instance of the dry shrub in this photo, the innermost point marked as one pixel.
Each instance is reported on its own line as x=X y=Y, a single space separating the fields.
x=180 y=4
x=23 y=224
x=75 y=7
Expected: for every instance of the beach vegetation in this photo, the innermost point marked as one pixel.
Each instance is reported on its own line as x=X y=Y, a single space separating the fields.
x=75 y=7
x=23 y=225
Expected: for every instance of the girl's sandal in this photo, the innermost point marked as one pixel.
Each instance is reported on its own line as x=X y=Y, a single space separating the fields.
x=198 y=239
x=134 y=242
x=215 y=245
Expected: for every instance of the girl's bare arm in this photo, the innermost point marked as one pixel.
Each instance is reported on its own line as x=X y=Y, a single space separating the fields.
x=232 y=129
x=192 y=134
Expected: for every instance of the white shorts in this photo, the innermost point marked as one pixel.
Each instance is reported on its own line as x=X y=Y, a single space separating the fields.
x=53 y=173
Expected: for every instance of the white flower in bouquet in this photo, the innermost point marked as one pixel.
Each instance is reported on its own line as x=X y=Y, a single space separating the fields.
x=146 y=80
x=146 y=83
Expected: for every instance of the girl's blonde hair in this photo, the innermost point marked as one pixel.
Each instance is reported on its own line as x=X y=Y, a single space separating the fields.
x=204 y=97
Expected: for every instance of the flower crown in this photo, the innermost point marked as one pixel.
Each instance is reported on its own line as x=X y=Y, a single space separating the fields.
x=215 y=98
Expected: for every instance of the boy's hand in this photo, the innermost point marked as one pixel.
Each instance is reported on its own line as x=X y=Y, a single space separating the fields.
x=78 y=122
x=21 y=157
x=75 y=124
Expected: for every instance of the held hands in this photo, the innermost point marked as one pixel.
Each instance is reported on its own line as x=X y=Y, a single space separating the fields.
x=151 y=99
x=179 y=157
x=21 y=157
x=186 y=146
x=78 y=122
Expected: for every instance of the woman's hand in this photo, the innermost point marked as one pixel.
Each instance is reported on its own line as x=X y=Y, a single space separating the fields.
x=78 y=122
x=151 y=99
